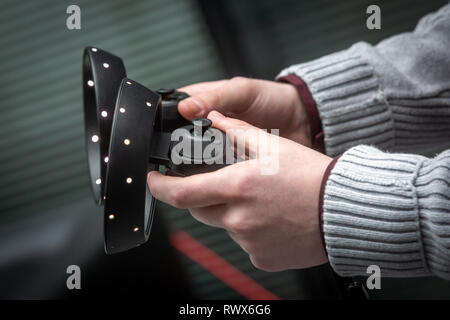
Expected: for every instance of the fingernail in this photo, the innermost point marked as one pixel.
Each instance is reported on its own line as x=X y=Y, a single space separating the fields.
x=197 y=107
x=216 y=114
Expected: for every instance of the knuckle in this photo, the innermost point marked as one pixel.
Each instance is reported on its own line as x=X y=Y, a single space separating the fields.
x=245 y=85
x=239 y=81
x=177 y=198
x=232 y=222
x=238 y=224
x=246 y=246
x=264 y=263
x=242 y=184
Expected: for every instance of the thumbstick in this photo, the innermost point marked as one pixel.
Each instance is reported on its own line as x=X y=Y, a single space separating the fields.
x=165 y=92
x=200 y=126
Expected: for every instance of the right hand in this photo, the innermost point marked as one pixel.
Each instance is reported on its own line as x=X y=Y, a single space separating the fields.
x=264 y=104
x=279 y=229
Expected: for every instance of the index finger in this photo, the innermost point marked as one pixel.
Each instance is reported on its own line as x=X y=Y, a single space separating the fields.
x=200 y=87
x=195 y=191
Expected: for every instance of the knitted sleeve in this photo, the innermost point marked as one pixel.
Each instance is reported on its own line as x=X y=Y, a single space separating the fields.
x=395 y=95
x=389 y=210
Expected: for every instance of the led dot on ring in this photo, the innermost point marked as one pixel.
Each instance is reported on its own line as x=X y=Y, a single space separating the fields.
x=129 y=180
x=126 y=141
x=136 y=229
x=111 y=217
x=94 y=49
x=95 y=138
x=106 y=65
x=106 y=159
x=128 y=82
x=104 y=114
x=148 y=104
x=122 y=110
x=90 y=83
x=98 y=181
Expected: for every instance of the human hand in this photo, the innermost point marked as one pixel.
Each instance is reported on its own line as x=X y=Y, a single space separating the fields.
x=264 y=104
x=274 y=218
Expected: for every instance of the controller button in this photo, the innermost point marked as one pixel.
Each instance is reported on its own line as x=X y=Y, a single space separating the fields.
x=201 y=125
x=179 y=95
x=165 y=92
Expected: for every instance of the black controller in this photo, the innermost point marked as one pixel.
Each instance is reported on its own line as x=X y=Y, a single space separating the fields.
x=195 y=136
x=131 y=130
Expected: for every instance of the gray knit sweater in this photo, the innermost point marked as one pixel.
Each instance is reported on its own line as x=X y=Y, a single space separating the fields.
x=384 y=208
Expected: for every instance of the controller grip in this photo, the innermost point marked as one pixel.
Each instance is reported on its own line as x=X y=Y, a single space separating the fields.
x=169 y=118
x=185 y=170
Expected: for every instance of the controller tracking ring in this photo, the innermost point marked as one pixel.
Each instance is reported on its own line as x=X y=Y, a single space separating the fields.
x=102 y=75
x=129 y=205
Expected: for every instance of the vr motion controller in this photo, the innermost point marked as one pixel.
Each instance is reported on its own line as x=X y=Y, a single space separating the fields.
x=129 y=131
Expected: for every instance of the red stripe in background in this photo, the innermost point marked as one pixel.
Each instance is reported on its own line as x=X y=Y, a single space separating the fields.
x=219 y=267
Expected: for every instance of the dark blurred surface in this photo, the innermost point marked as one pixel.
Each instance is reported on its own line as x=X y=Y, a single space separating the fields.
x=47 y=217
x=35 y=256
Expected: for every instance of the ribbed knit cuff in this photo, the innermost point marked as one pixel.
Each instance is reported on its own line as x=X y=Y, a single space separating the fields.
x=311 y=109
x=351 y=104
x=325 y=177
x=371 y=214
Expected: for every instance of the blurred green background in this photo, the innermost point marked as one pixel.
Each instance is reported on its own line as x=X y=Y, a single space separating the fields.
x=44 y=188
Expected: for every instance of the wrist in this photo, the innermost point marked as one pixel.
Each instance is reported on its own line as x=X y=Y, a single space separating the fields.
x=300 y=122
x=323 y=173
x=324 y=181
x=312 y=168
x=312 y=126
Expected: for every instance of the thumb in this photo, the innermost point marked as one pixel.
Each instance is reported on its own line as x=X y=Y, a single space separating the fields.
x=227 y=97
x=200 y=105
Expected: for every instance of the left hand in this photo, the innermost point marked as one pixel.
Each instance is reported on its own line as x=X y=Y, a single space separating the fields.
x=274 y=218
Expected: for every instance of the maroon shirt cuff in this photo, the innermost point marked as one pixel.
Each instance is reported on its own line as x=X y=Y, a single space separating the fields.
x=325 y=177
x=315 y=123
